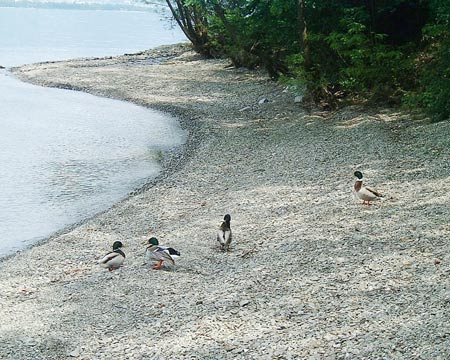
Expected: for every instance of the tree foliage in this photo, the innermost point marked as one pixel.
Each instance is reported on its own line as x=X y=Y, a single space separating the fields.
x=433 y=64
x=372 y=50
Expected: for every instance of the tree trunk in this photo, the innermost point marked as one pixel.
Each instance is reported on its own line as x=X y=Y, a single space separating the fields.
x=193 y=25
x=371 y=7
x=303 y=33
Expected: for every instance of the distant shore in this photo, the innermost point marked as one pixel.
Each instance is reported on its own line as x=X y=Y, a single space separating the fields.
x=312 y=273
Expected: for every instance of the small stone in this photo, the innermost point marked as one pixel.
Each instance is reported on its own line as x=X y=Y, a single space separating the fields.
x=74 y=353
x=237 y=350
x=244 y=303
x=262 y=101
x=298 y=99
x=229 y=347
x=29 y=342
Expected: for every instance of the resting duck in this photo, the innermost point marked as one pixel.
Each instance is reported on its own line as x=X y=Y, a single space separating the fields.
x=160 y=253
x=364 y=193
x=224 y=235
x=114 y=259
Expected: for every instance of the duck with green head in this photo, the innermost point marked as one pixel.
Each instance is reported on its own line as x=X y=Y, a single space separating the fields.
x=224 y=235
x=363 y=192
x=156 y=252
x=114 y=259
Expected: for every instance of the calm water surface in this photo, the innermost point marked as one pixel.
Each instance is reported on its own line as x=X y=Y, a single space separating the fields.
x=29 y=35
x=67 y=155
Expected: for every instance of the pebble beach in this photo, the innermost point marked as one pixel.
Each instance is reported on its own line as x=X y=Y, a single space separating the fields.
x=311 y=273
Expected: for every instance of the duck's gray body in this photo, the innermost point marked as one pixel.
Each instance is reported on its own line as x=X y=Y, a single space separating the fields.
x=158 y=253
x=114 y=259
x=364 y=193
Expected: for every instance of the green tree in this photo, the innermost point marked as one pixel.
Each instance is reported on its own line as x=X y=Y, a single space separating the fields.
x=371 y=50
x=433 y=64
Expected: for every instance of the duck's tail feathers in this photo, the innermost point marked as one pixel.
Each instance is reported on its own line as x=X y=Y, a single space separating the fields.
x=173 y=252
x=375 y=193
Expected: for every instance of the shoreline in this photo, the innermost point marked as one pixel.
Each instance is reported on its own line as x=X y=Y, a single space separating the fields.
x=312 y=273
x=168 y=164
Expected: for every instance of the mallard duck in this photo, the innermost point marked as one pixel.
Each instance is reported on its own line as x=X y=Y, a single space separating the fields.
x=114 y=259
x=363 y=192
x=160 y=253
x=224 y=235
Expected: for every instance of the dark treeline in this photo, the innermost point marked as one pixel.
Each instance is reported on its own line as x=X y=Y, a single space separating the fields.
x=393 y=51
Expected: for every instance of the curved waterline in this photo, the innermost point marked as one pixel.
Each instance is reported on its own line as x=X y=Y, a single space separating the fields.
x=68 y=155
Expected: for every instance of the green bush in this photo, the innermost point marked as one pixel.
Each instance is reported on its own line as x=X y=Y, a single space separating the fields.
x=375 y=50
x=433 y=66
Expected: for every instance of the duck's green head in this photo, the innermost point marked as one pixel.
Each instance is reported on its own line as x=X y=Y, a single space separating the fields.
x=117 y=245
x=358 y=174
x=153 y=241
x=227 y=218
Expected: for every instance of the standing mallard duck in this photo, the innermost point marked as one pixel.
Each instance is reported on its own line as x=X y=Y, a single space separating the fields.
x=114 y=259
x=224 y=235
x=160 y=253
x=363 y=192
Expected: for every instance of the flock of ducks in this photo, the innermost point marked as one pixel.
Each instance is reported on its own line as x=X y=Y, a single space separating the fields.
x=167 y=255
x=162 y=254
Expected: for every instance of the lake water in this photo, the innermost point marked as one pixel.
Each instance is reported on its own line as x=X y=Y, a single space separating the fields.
x=29 y=35
x=67 y=155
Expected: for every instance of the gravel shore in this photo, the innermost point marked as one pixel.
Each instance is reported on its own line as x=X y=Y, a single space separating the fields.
x=312 y=273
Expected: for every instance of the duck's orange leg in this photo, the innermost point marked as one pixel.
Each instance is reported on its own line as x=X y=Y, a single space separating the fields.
x=158 y=265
